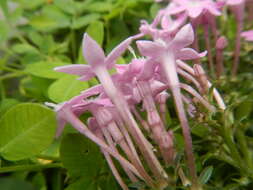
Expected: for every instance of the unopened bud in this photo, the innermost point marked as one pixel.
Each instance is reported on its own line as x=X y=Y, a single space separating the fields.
x=221 y=43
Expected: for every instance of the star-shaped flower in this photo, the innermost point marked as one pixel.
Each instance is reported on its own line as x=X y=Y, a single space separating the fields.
x=177 y=46
x=95 y=57
x=248 y=35
x=194 y=8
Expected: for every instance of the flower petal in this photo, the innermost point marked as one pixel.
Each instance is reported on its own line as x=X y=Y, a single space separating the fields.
x=188 y=53
x=92 y=91
x=194 y=12
x=213 y=10
x=92 y=52
x=74 y=69
x=149 y=48
x=183 y=38
x=148 y=70
x=117 y=52
x=248 y=35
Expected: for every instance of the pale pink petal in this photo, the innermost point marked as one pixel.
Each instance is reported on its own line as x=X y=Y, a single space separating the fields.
x=92 y=91
x=194 y=12
x=213 y=10
x=248 y=35
x=121 y=68
x=149 y=48
x=148 y=70
x=188 y=53
x=92 y=52
x=175 y=9
x=183 y=38
x=235 y=2
x=74 y=69
x=117 y=52
x=87 y=76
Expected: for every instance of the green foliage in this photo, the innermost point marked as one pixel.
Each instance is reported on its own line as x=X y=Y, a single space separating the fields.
x=65 y=88
x=26 y=130
x=38 y=35
x=79 y=155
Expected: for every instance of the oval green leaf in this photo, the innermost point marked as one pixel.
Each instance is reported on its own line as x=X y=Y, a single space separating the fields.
x=65 y=88
x=85 y=20
x=45 y=69
x=206 y=175
x=26 y=130
x=80 y=156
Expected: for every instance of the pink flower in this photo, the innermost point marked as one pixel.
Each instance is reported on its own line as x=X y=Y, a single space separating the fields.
x=248 y=35
x=95 y=57
x=177 y=46
x=194 y=8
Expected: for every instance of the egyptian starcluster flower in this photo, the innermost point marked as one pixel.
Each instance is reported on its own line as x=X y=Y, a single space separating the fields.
x=204 y=13
x=149 y=80
x=247 y=35
x=160 y=72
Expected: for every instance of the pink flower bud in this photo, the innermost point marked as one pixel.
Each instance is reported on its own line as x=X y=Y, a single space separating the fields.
x=221 y=43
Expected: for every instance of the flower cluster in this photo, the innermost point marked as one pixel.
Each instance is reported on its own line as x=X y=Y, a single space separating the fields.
x=129 y=107
x=159 y=73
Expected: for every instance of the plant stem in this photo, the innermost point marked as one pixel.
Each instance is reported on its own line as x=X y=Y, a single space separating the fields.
x=11 y=75
x=169 y=67
x=29 y=167
x=209 y=49
x=45 y=157
x=73 y=44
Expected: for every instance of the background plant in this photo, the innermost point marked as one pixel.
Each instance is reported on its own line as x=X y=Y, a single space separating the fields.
x=39 y=35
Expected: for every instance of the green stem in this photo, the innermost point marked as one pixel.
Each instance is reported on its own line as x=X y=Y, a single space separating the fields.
x=45 y=157
x=11 y=75
x=244 y=149
x=10 y=69
x=29 y=167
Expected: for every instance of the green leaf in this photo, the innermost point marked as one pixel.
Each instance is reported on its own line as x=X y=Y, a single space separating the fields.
x=244 y=109
x=26 y=130
x=200 y=130
x=206 y=175
x=6 y=104
x=80 y=156
x=4 y=32
x=34 y=4
x=45 y=69
x=96 y=31
x=4 y=6
x=35 y=37
x=35 y=87
x=65 y=88
x=154 y=9
x=25 y=48
x=15 y=184
x=43 y=23
x=51 y=18
x=99 y=7
x=85 y=20
x=81 y=183
x=67 y=6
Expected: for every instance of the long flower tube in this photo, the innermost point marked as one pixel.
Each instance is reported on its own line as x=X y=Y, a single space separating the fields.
x=99 y=68
x=147 y=81
x=216 y=94
x=159 y=132
x=92 y=123
x=105 y=120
